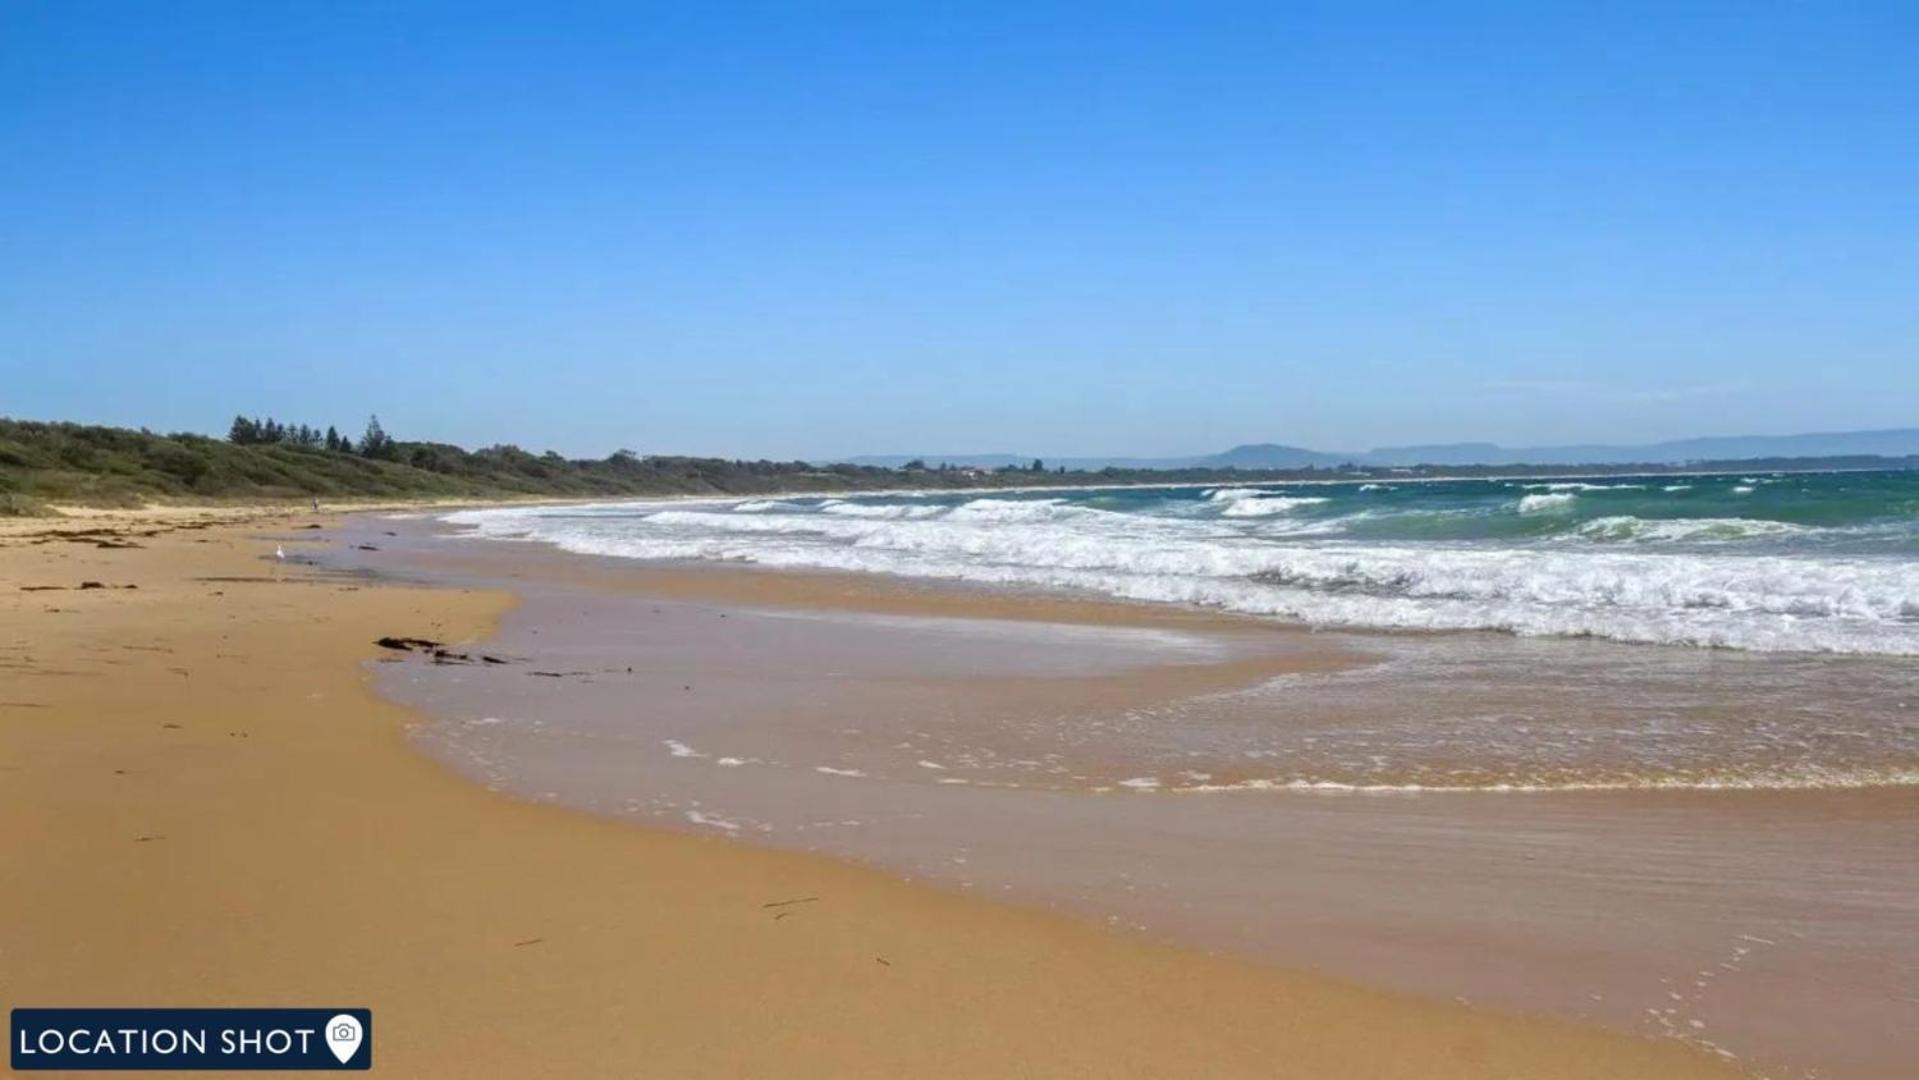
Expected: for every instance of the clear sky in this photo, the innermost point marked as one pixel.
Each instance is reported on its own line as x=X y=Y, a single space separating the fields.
x=818 y=230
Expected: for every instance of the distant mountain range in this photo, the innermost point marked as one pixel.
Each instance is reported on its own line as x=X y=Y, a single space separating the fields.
x=1891 y=442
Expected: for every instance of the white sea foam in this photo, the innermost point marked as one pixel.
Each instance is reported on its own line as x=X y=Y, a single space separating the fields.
x=1545 y=504
x=1808 y=779
x=1581 y=486
x=1008 y=510
x=1268 y=506
x=699 y=818
x=1696 y=530
x=1689 y=581
x=883 y=510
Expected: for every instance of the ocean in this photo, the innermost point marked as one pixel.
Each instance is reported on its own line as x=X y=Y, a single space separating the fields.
x=1764 y=562
x=1640 y=751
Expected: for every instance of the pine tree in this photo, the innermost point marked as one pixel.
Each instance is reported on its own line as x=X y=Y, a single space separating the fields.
x=376 y=443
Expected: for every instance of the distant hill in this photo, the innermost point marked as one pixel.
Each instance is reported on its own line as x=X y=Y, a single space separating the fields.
x=1891 y=443
x=1273 y=456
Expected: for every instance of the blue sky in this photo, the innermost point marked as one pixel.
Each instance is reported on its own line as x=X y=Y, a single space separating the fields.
x=817 y=230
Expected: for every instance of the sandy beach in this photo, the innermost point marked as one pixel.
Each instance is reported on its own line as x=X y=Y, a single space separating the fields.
x=1114 y=761
x=203 y=804
x=996 y=540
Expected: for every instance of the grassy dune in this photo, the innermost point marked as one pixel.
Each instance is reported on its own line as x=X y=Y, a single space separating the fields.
x=43 y=463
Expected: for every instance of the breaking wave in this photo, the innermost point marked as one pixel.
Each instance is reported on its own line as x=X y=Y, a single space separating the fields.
x=1268 y=506
x=1461 y=559
x=1693 y=530
x=1541 y=504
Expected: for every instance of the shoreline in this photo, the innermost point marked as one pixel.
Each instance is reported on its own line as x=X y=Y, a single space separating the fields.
x=1643 y=566
x=205 y=746
x=1714 y=838
x=1333 y=648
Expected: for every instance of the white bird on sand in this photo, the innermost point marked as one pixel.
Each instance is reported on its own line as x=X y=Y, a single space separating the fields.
x=279 y=552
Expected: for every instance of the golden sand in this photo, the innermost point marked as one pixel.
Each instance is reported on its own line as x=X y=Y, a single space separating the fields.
x=201 y=804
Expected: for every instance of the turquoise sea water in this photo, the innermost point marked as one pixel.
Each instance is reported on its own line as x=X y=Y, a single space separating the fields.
x=1814 y=562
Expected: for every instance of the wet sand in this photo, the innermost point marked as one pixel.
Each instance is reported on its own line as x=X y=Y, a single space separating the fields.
x=202 y=804
x=1033 y=749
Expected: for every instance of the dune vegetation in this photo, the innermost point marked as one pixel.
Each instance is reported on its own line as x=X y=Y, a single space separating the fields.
x=46 y=464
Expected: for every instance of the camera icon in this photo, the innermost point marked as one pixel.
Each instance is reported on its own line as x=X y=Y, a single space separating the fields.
x=344 y=1033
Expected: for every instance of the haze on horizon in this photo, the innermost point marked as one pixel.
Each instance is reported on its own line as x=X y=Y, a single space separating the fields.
x=807 y=231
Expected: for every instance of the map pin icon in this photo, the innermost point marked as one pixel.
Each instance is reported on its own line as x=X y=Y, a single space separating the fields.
x=343 y=1035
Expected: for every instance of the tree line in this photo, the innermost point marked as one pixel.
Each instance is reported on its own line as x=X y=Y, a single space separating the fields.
x=919 y=465
x=374 y=443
